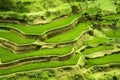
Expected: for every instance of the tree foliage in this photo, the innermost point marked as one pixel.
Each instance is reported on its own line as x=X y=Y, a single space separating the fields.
x=7 y=5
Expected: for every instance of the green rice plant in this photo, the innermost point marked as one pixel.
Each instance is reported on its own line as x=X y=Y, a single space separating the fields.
x=102 y=4
x=70 y=35
x=113 y=33
x=106 y=22
x=113 y=58
x=15 y=37
x=39 y=65
x=112 y=17
x=97 y=49
x=39 y=29
x=97 y=40
x=7 y=56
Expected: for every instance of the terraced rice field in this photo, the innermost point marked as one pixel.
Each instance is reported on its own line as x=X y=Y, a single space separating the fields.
x=7 y=56
x=95 y=40
x=15 y=37
x=54 y=53
x=42 y=58
x=68 y=41
x=33 y=66
x=97 y=49
x=72 y=34
x=40 y=29
x=110 y=17
x=104 y=60
x=113 y=34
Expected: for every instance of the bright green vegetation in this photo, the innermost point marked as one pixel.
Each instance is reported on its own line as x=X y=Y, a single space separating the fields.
x=34 y=66
x=72 y=34
x=30 y=6
x=102 y=4
x=39 y=29
x=7 y=56
x=113 y=58
x=97 y=49
x=105 y=22
x=113 y=33
x=15 y=37
x=111 y=17
x=103 y=37
x=30 y=10
x=97 y=40
x=97 y=7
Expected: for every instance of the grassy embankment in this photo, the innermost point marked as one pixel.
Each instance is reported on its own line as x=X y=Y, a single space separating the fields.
x=7 y=56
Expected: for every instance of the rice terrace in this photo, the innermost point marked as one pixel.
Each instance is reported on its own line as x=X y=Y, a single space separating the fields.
x=59 y=39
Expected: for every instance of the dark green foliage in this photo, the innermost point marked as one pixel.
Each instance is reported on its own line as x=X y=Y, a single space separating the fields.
x=7 y=5
x=91 y=33
x=85 y=14
x=48 y=4
x=96 y=25
x=20 y=7
x=51 y=72
x=75 y=9
x=67 y=1
x=47 y=14
x=118 y=9
x=114 y=24
x=115 y=78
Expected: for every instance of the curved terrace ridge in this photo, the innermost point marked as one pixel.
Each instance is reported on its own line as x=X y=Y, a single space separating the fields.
x=37 y=59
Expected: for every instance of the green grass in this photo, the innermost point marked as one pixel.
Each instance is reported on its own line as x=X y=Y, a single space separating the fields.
x=114 y=58
x=14 y=37
x=112 y=17
x=70 y=35
x=113 y=33
x=34 y=66
x=7 y=56
x=102 y=4
x=97 y=40
x=97 y=49
x=106 y=22
x=39 y=29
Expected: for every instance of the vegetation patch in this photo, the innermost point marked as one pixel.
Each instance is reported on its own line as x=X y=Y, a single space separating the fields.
x=39 y=29
x=15 y=37
x=7 y=56
x=75 y=39
x=97 y=49
x=40 y=65
x=113 y=58
x=72 y=34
